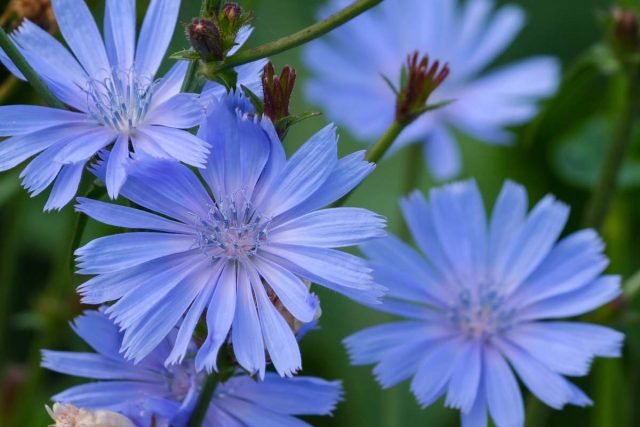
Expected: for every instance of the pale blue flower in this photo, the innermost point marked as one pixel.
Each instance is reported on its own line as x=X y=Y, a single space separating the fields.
x=239 y=247
x=151 y=393
x=117 y=102
x=482 y=301
x=349 y=63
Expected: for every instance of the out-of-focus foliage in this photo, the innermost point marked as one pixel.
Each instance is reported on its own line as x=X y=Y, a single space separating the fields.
x=560 y=152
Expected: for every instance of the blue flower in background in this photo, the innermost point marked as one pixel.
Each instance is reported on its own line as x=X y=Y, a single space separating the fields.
x=481 y=303
x=154 y=394
x=349 y=62
x=112 y=89
x=240 y=251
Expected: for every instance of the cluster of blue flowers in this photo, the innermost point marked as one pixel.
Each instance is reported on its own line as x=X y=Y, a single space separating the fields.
x=227 y=234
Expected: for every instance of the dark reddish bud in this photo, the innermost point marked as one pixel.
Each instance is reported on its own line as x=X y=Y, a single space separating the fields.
x=422 y=80
x=626 y=31
x=205 y=38
x=277 y=91
x=231 y=12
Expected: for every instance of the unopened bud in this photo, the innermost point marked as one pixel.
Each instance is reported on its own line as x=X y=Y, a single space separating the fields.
x=277 y=92
x=626 y=31
x=231 y=12
x=205 y=38
x=422 y=80
x=71 y=416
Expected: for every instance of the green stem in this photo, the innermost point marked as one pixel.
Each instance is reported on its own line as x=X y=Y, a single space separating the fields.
x=200 y=412
x=296 y=39
x=95 y=192
x=378 y=150
x=34 y=79
x=190 y=78
x=600 y=202
x=381 y=146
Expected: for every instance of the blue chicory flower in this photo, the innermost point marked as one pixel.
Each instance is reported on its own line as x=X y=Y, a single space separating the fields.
x=240 y=251
x=151 y=393
x=349 y=63
x=116 y=100
x=484 y=301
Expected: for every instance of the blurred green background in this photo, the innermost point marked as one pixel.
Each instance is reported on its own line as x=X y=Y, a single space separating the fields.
x=560 y=153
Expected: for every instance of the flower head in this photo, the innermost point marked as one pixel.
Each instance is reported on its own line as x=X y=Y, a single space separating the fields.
x=70 y=416
x=152 y=393
x=481 y=303
x=120 y=109
x=239 y=245
x=349 y=65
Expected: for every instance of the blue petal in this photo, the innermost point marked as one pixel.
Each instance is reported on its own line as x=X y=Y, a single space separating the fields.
x=53 y=63
x=120 y=251
x=292 y=396
x=220 y=315
x=14 y=151
x=126 y=217
x=409 y=277
x=246 y=335
x=81 y=33
x=291 y=291
x=145 y=334
x=507 y=219
x=112 y=394
x=336 y=270
x=155 y=35
x=503 y=394
x=65 y=187
x=442 y=154
x=306 y=171
x=434 y=372
x=91 y=365
x=573 y=263
x=99 y=332
x=180 y=111
x=120 y=32
x=460 y=224
x=170 y=84
x=547 y=385
x=465 y=379
x=82 y=147
x=117 y=166
x=330 y=228
x=179 y=144
x=574 y=303
x=279 y=339
x=536 y=238
x=23 y=119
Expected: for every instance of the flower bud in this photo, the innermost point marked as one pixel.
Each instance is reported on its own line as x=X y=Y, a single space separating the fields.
x=231 y=12
x=626 y=31
x=205 y=38
x=277 y=92
x=71 y=416
x=422 y=80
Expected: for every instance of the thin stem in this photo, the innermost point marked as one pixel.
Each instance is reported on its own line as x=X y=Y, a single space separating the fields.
x=381 y=146
x=190 y=77
x=188 y=84
x=204 y=400
x=94 y=192
x=296 y=39
x=602 y=196
x=34 y=79
x=378 y=150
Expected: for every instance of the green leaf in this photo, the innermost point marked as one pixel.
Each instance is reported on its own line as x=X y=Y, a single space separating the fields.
x=577 y=158
x=389 y=83
x=258 y=104
x=187 y=54
x=289 y=121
